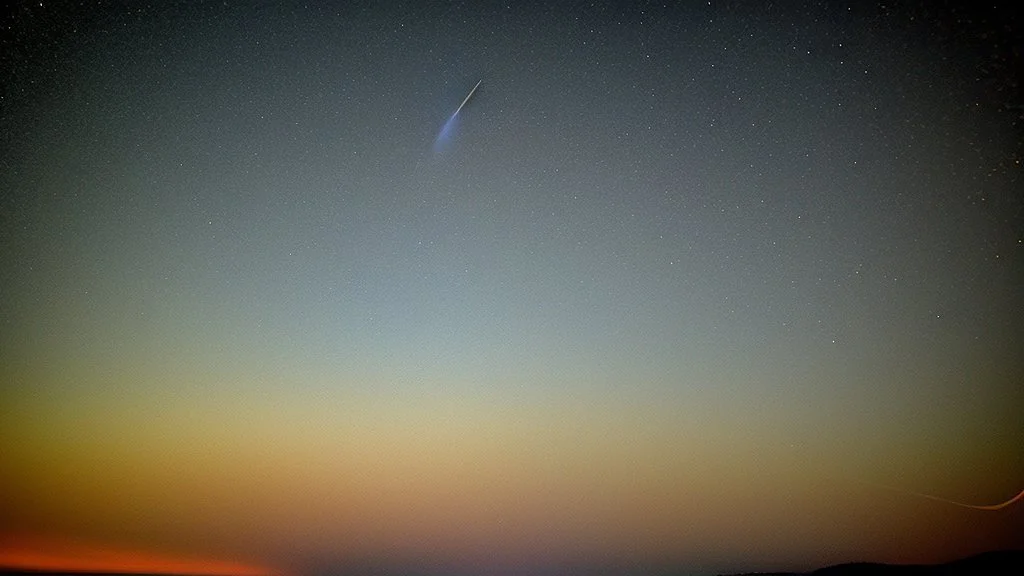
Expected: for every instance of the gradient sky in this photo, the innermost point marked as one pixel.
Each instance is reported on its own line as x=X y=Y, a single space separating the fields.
x=679 y=288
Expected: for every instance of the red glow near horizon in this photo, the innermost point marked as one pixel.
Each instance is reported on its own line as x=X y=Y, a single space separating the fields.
x=65 y=556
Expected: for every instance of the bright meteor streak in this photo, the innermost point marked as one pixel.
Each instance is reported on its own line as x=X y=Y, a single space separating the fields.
x=468 y=96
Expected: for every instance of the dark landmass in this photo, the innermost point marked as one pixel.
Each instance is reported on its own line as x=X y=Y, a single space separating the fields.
x=1000 y=563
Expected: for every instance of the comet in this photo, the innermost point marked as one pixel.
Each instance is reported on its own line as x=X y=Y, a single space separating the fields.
x=442 y=136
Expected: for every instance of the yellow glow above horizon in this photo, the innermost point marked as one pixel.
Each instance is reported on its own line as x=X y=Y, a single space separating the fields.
x=436 y=476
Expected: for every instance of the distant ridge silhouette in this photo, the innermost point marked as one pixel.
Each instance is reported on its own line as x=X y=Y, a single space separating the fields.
x=997 y=563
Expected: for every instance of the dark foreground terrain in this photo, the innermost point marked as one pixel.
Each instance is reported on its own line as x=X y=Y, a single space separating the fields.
x=1002 y=563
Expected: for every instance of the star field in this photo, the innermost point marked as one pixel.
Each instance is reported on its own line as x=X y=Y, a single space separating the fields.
x=683 y=281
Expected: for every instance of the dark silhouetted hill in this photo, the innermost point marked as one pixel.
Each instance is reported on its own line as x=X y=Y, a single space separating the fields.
x=1001 y=563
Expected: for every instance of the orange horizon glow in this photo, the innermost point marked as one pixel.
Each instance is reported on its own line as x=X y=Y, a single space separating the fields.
x=65 y=556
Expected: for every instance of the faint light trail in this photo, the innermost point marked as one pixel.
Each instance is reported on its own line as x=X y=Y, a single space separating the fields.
x=989 y=507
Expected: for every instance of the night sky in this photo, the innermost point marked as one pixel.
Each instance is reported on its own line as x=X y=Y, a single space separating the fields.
x=711 y=287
